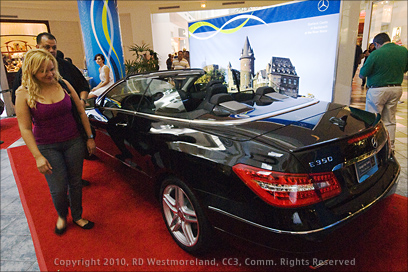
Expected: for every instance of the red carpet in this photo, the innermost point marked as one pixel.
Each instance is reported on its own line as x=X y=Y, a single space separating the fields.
x=9 y=131
x=129 y=233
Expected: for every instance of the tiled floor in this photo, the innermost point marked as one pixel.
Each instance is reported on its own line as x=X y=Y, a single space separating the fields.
x=17 y=249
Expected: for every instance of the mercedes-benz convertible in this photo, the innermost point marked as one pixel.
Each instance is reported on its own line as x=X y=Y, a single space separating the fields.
x=256 y=164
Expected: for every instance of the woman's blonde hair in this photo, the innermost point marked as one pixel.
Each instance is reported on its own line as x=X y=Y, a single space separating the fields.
x=33 y=60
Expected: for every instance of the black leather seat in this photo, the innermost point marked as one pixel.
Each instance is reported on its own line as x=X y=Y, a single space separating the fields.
x=214 y=88
x=244 y=97
x=260 y=98
x=220 y=98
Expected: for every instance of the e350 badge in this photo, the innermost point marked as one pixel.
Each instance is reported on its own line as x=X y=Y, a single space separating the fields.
x=321 y=161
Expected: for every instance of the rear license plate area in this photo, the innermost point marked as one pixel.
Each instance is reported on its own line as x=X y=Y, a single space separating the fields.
x=365 y=168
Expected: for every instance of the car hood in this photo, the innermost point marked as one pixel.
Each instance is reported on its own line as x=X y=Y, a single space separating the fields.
x=297 y=123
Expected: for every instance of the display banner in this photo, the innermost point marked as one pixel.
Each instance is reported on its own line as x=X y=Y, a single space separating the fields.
x=290 y=47
x=101 y=35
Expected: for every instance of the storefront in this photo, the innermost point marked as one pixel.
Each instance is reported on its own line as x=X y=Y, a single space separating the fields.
x=17 y=37
x=384 y=16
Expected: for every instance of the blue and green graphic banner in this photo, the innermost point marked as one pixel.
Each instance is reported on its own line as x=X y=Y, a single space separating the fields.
x=232 y=23
x=304 y=34
x=101 y=35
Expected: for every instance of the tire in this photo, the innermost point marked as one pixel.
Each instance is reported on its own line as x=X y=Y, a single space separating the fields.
x=183 y=216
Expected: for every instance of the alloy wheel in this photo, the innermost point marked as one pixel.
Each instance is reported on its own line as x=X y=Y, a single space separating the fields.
x=180 y=215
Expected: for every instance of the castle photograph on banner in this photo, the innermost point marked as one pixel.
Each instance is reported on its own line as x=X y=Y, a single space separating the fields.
x=291 y=47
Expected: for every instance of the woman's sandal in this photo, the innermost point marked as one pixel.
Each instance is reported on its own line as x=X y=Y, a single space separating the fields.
x=60 y=231
x=88 y=225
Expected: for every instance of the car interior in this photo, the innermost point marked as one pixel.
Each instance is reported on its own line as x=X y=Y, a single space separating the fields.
x=184 y=98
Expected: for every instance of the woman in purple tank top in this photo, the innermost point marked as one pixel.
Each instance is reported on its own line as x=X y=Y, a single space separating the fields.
x=55 y=141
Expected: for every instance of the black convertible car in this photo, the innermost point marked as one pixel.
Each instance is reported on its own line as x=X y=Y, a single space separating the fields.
x=272 y=169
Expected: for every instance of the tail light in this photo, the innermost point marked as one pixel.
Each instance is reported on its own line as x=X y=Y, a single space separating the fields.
x=364 y=136
x=358 y=139
x=288 y=190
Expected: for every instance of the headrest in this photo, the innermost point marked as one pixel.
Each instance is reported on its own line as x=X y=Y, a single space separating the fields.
x=212 y=82
x=264 y=90
x=215 y=89
x=218 y=88
x=220 y=98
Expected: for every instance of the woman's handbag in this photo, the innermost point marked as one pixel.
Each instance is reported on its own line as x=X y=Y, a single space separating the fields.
x=75 y=112
x=77 y=118
x=76 y=115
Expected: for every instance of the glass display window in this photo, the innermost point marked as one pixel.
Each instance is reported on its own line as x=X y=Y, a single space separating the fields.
x=17 y=37
x=389 y=17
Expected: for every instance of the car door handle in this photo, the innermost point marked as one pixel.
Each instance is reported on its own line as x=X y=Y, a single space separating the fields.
x=121 y=124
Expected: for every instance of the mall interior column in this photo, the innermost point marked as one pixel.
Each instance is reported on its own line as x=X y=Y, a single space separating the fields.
x=101 y=35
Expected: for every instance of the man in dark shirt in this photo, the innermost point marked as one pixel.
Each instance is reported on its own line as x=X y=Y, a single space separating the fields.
x=66 y=69
x=357 y=59
x=169 y=61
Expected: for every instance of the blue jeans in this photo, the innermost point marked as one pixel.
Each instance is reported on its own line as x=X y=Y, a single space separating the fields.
x=66 y=159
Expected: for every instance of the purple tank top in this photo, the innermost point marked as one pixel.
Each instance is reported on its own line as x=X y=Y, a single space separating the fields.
x=54 y=123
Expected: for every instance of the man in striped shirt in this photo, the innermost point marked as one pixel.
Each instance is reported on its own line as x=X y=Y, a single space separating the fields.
x=180 y=62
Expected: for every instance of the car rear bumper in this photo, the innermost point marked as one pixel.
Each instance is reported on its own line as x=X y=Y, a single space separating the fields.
x=293 y=241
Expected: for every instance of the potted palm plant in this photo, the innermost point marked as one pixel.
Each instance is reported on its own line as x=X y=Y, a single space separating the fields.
x=146 y=60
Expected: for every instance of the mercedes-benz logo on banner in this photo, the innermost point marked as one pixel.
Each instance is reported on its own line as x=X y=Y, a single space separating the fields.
x=374 y=142
x=323 y=5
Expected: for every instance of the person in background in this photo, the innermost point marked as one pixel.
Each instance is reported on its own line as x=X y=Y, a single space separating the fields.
x=186 y=55
x=169 y=61
x=366 y=53
x=180 y=62
x=10 y=67
x=55 y=141
x=105 y=75
x=67 y=70
x=358 y=56
x=152 y=60
x=5 y=60
x=385 y=70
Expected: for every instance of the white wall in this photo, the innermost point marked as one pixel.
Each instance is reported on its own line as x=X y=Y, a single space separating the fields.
x=125 y=20
x=162 y=30
x=350 y=11
x=165 y=26
x=139 y=21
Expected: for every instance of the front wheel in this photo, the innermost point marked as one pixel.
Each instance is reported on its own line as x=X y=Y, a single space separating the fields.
x=184 y=217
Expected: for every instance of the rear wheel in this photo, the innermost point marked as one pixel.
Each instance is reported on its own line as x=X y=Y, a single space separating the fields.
x=184 y=217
